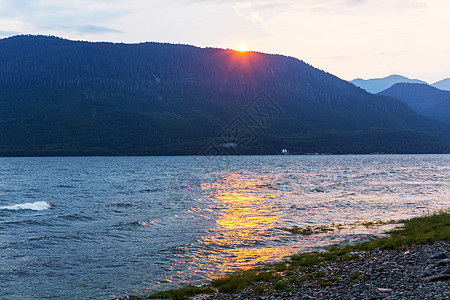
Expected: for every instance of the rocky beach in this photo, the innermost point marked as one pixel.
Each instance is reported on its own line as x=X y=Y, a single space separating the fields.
x=413 y=272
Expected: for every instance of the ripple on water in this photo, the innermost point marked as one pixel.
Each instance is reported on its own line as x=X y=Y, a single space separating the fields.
x=123 y=224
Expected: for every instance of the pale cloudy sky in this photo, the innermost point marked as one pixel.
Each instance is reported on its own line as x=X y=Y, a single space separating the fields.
x=349 y=38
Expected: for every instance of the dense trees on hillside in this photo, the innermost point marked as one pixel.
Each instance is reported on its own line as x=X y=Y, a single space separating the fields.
x=422 y=98
x=60 y=97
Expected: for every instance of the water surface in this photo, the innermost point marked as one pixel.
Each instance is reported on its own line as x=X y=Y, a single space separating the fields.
x=134 y=224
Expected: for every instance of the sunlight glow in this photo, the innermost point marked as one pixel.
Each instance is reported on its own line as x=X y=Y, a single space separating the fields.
x=242 y=47
x=244 y=215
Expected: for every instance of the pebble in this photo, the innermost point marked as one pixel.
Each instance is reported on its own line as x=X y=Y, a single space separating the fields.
x=443 y=262
x=437 y=277
x=440 y=255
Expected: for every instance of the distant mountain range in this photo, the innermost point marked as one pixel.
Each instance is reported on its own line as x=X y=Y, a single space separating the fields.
x=423 y=99
x=443 y=84
x=377 y=85
x=62 y=97
x=430 y=100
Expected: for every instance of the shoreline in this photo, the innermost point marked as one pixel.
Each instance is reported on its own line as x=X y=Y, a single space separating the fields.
x=412 y=263
x=413 y=272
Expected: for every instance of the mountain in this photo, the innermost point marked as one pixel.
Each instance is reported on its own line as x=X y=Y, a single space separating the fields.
x=443 y=84
x=62 y=97
x=424 y=99
x=380 y=84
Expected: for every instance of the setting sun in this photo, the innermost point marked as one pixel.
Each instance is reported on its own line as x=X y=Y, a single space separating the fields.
x=242 y=48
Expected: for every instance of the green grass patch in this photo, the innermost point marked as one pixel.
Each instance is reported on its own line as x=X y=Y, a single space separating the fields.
x=280 y=267
x=356 y=275
x=310 y=230
x=259 y=289
x=280 y=285
x=306 y=277
x=183 y=293
x=307 y=259
x=323 y=282
x=237 y=282
x=419 y=230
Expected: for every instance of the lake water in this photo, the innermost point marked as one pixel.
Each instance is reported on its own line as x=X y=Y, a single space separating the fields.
x=120 y=225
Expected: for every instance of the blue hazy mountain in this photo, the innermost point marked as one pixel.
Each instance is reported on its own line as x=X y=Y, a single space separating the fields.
x=424 y=99
x=380 y=84
x=62 y=97
x=443 y=84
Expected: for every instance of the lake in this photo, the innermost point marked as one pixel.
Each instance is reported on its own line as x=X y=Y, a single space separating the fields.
x=99 y=227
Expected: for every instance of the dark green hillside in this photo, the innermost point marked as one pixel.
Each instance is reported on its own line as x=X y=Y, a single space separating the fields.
x=422 y=98
x=61 y=97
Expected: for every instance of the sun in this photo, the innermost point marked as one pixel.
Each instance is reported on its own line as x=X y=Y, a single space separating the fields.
x=242 y=47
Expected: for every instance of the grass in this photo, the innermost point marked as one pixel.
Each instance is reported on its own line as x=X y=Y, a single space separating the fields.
x=433 y=227
x=280 y=285
x=183 y=293
x=259 y=289
x=237 y=282
x=310 y=230
x=419 y=230
x=356 y=275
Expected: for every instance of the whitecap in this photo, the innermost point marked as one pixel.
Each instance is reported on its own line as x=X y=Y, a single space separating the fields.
x=38 y=205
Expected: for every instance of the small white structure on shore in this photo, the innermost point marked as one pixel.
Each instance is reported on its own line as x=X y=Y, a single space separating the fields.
x=284 y=151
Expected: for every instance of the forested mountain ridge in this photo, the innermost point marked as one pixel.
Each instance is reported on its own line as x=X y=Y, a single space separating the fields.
x=424 y=99
x=61 y=97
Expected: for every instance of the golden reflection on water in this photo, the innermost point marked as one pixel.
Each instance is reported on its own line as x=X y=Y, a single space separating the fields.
x=244 y=215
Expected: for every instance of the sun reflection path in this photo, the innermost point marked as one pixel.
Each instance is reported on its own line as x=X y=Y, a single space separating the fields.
x=245 y=216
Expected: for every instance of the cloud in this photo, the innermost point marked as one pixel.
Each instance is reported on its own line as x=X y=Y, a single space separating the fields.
x=255 y=11
x=80 y=16
x=260 y=11
x=83 y=29
x=6 y=33
x=92 y=29
x=97 y=29
x=349 y=38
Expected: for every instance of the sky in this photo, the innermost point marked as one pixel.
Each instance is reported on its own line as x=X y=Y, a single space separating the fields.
x=348 y=38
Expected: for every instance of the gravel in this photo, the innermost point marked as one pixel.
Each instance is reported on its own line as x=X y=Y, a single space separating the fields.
x=415 y=272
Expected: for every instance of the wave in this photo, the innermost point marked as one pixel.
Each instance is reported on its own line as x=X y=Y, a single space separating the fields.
x=76 y=217
x=136 y=224
x=38 y=205
x=120 y=205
